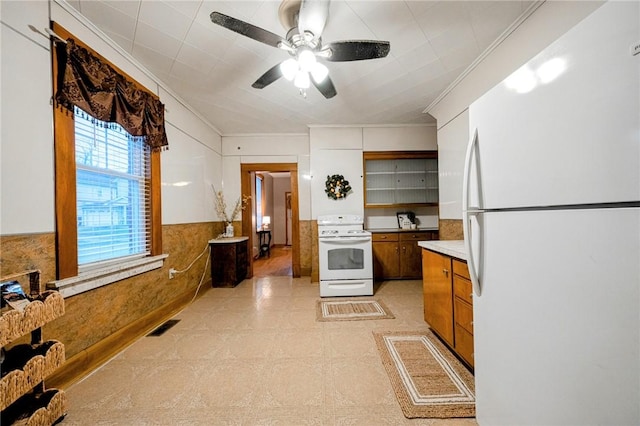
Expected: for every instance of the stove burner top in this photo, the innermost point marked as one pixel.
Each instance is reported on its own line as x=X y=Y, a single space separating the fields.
x=334 y=233
x=341 y=226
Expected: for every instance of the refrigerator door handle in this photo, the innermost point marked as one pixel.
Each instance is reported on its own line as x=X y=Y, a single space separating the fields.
x=467 y=213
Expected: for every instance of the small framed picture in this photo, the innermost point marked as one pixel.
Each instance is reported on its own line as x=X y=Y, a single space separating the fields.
x=405 y=219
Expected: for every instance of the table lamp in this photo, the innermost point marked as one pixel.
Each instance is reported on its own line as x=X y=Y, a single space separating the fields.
x=266 y=221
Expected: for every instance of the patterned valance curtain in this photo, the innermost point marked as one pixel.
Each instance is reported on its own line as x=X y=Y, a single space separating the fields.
x=91 y=84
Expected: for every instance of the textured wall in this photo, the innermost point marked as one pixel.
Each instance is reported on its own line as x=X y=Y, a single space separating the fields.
x=94 y=315
x=29 y=251
x=306 y=247
x=450 y=229
x=315 y=261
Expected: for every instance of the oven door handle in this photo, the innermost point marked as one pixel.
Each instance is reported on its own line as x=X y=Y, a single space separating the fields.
x=345 y=240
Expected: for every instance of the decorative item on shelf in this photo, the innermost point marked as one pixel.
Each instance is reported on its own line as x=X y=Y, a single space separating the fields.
x=406 y=220
x=221 y=210
x=337 y=187
x=266 y=221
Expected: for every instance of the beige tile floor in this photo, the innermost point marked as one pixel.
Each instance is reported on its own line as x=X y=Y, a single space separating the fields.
x=255 y=355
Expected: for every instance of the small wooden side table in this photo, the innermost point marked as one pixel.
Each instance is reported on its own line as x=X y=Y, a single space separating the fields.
x=265 y=242
x=229 y=261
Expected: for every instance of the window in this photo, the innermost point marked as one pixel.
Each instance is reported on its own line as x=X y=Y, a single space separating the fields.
x=108 y=193
x=112 y=176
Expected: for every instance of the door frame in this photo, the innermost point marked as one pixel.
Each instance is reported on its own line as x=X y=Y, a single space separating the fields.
x=247 y=227
x=287 y=207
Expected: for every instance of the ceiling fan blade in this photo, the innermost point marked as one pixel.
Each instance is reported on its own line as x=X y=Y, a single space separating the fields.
x=313 y=17
x=246 y=29
x=327 y=88
x=268 y=77
x=357 y=50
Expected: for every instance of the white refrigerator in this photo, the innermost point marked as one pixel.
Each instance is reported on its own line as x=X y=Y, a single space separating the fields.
x=552 y=228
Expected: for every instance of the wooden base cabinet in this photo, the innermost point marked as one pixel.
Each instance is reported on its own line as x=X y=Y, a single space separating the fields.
x=396 y=255
x=437 y=292
x=229 y=261
x=463 y=311
x=386 y=255
x=448 y=302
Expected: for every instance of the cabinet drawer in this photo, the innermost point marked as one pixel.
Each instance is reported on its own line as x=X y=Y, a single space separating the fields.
x=463 y=289
x=390 y=236
x=464 y=344
x=460 y=268
x=463 y=313
x=414 y=236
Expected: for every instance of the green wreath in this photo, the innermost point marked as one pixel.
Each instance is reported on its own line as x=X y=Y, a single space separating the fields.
x=337 y=187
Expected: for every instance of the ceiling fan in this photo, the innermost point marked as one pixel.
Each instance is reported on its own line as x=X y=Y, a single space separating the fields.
x=305 y=20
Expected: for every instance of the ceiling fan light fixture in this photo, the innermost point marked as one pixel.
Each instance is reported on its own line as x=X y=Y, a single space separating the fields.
x=302 y=80
x=305 y=21
x=306 y=59
x=289 y=68
x=319 y=72
x=285 y=46
x=308 y=36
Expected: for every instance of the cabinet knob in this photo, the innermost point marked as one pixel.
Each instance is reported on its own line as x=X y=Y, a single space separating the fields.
x=383 y=237
x=445 y=271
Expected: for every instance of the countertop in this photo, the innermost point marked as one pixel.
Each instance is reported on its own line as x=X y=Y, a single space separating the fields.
x=225 y=240
x=384 y=230
x=453 y=248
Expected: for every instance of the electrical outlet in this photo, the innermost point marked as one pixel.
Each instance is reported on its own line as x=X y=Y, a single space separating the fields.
x=172 y=273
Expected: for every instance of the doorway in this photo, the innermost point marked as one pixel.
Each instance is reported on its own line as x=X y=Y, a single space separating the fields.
x=248 y=227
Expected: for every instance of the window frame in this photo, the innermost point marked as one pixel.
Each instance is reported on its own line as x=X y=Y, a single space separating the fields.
x=65 y=180
x=260 y=201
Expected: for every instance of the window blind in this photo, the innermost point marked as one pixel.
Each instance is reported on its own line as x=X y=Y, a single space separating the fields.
x=112 y=191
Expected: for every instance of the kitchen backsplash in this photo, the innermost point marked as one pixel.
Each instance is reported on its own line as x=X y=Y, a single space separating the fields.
x=426 y=218
x=451 y=229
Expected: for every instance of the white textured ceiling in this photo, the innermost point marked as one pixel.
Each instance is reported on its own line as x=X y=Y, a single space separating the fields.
x=212 y=68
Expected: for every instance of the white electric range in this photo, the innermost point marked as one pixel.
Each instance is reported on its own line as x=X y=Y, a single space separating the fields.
x=345 y=255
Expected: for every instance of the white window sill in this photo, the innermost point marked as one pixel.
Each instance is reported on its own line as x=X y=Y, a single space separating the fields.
x=100 y=277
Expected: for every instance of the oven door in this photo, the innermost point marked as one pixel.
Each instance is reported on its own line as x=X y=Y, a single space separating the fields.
x=345 y=258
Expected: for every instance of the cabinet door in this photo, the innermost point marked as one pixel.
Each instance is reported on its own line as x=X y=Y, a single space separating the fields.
x=411 y=254
x=386 y=260
x=410 y=260
x=242 y=257
x=464 y=344
x=438 y=294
